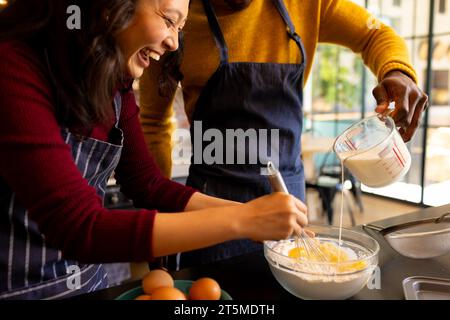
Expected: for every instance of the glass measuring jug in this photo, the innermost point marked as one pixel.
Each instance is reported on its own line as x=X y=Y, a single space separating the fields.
x=373 y=150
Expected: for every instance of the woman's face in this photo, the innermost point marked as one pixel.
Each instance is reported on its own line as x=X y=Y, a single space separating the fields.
x=152 y=31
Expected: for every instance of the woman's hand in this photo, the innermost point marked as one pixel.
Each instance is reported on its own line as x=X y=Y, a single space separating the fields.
x=272 y=217
x=410 y=101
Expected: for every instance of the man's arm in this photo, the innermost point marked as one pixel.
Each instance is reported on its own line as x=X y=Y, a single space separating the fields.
x=348 y=24
x=384 y=52
x=156 y=112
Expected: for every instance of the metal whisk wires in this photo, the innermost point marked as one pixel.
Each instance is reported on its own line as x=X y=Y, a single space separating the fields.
x=312 y=249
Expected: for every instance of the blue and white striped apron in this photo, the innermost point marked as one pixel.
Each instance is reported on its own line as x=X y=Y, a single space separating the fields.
x=29 y=268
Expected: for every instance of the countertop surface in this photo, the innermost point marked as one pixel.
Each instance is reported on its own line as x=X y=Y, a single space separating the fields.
x=248 y=277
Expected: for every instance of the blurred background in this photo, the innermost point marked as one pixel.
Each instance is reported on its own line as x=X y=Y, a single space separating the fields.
x=340 y=94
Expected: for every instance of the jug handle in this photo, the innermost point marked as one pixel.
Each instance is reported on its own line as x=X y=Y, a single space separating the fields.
x=386 y=113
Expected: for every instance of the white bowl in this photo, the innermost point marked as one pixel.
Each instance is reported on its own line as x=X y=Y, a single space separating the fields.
x=320 y=280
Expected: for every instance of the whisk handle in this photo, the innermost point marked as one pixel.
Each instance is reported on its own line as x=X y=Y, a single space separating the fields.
x=275 y=179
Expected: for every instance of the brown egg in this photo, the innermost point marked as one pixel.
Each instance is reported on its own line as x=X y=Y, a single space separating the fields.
x=205 y=289
x=167 y=293
x=156 y=279
x=143 y=297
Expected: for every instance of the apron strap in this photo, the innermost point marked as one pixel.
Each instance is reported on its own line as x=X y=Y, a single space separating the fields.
x=291 y=28
x=220 y=40
x=217 y=32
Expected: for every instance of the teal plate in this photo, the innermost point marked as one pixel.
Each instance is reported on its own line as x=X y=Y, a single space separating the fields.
x=183 y=285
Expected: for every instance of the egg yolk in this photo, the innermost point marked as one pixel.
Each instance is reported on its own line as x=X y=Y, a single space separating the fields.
x=332 y=254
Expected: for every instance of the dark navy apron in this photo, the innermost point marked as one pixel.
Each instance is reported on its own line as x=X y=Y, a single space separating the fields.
x=245 y=95
x=29 y=268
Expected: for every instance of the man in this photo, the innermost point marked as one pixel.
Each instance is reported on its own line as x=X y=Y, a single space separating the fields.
x=244 y=67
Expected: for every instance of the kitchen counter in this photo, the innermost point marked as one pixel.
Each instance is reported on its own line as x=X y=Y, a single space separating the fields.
x=248 y=277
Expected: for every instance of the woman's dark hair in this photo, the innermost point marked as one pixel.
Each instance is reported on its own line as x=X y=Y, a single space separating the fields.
x=171 y=73
x=85 y=65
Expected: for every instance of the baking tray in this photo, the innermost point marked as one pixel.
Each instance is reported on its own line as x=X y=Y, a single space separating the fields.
x=426 y=288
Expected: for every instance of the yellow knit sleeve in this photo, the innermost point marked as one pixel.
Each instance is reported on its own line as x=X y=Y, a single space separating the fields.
x=156 y=119
x=346 y=23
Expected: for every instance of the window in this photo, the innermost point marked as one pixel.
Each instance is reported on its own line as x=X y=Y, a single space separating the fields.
x=440 y=79
x=336 y=90
x=396 y=24
x=442 y=6
x=342 y=93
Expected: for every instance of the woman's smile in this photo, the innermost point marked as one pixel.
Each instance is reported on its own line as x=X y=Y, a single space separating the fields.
x=153 y=31
x=145 y=55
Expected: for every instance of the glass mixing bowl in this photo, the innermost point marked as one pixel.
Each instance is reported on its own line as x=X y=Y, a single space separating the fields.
x=308 y=279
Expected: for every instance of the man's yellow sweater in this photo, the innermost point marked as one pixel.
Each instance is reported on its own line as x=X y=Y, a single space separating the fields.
x=258 y=34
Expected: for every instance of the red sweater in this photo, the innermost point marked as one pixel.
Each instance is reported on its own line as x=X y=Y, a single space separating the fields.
x=38 y=167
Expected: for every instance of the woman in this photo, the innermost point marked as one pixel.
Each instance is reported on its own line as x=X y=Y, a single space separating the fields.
x=68 y=119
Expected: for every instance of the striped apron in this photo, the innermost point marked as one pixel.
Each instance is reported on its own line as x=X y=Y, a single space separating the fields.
x=29 y=268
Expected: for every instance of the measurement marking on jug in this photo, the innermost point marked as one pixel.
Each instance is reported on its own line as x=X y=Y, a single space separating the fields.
x=350 y=145
x=398 y=157
x=400 y=154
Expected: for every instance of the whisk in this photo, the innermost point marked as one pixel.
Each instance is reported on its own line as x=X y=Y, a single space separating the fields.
x=311 y=247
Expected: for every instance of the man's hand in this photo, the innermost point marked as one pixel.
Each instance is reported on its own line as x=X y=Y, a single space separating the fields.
x=409 y=100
